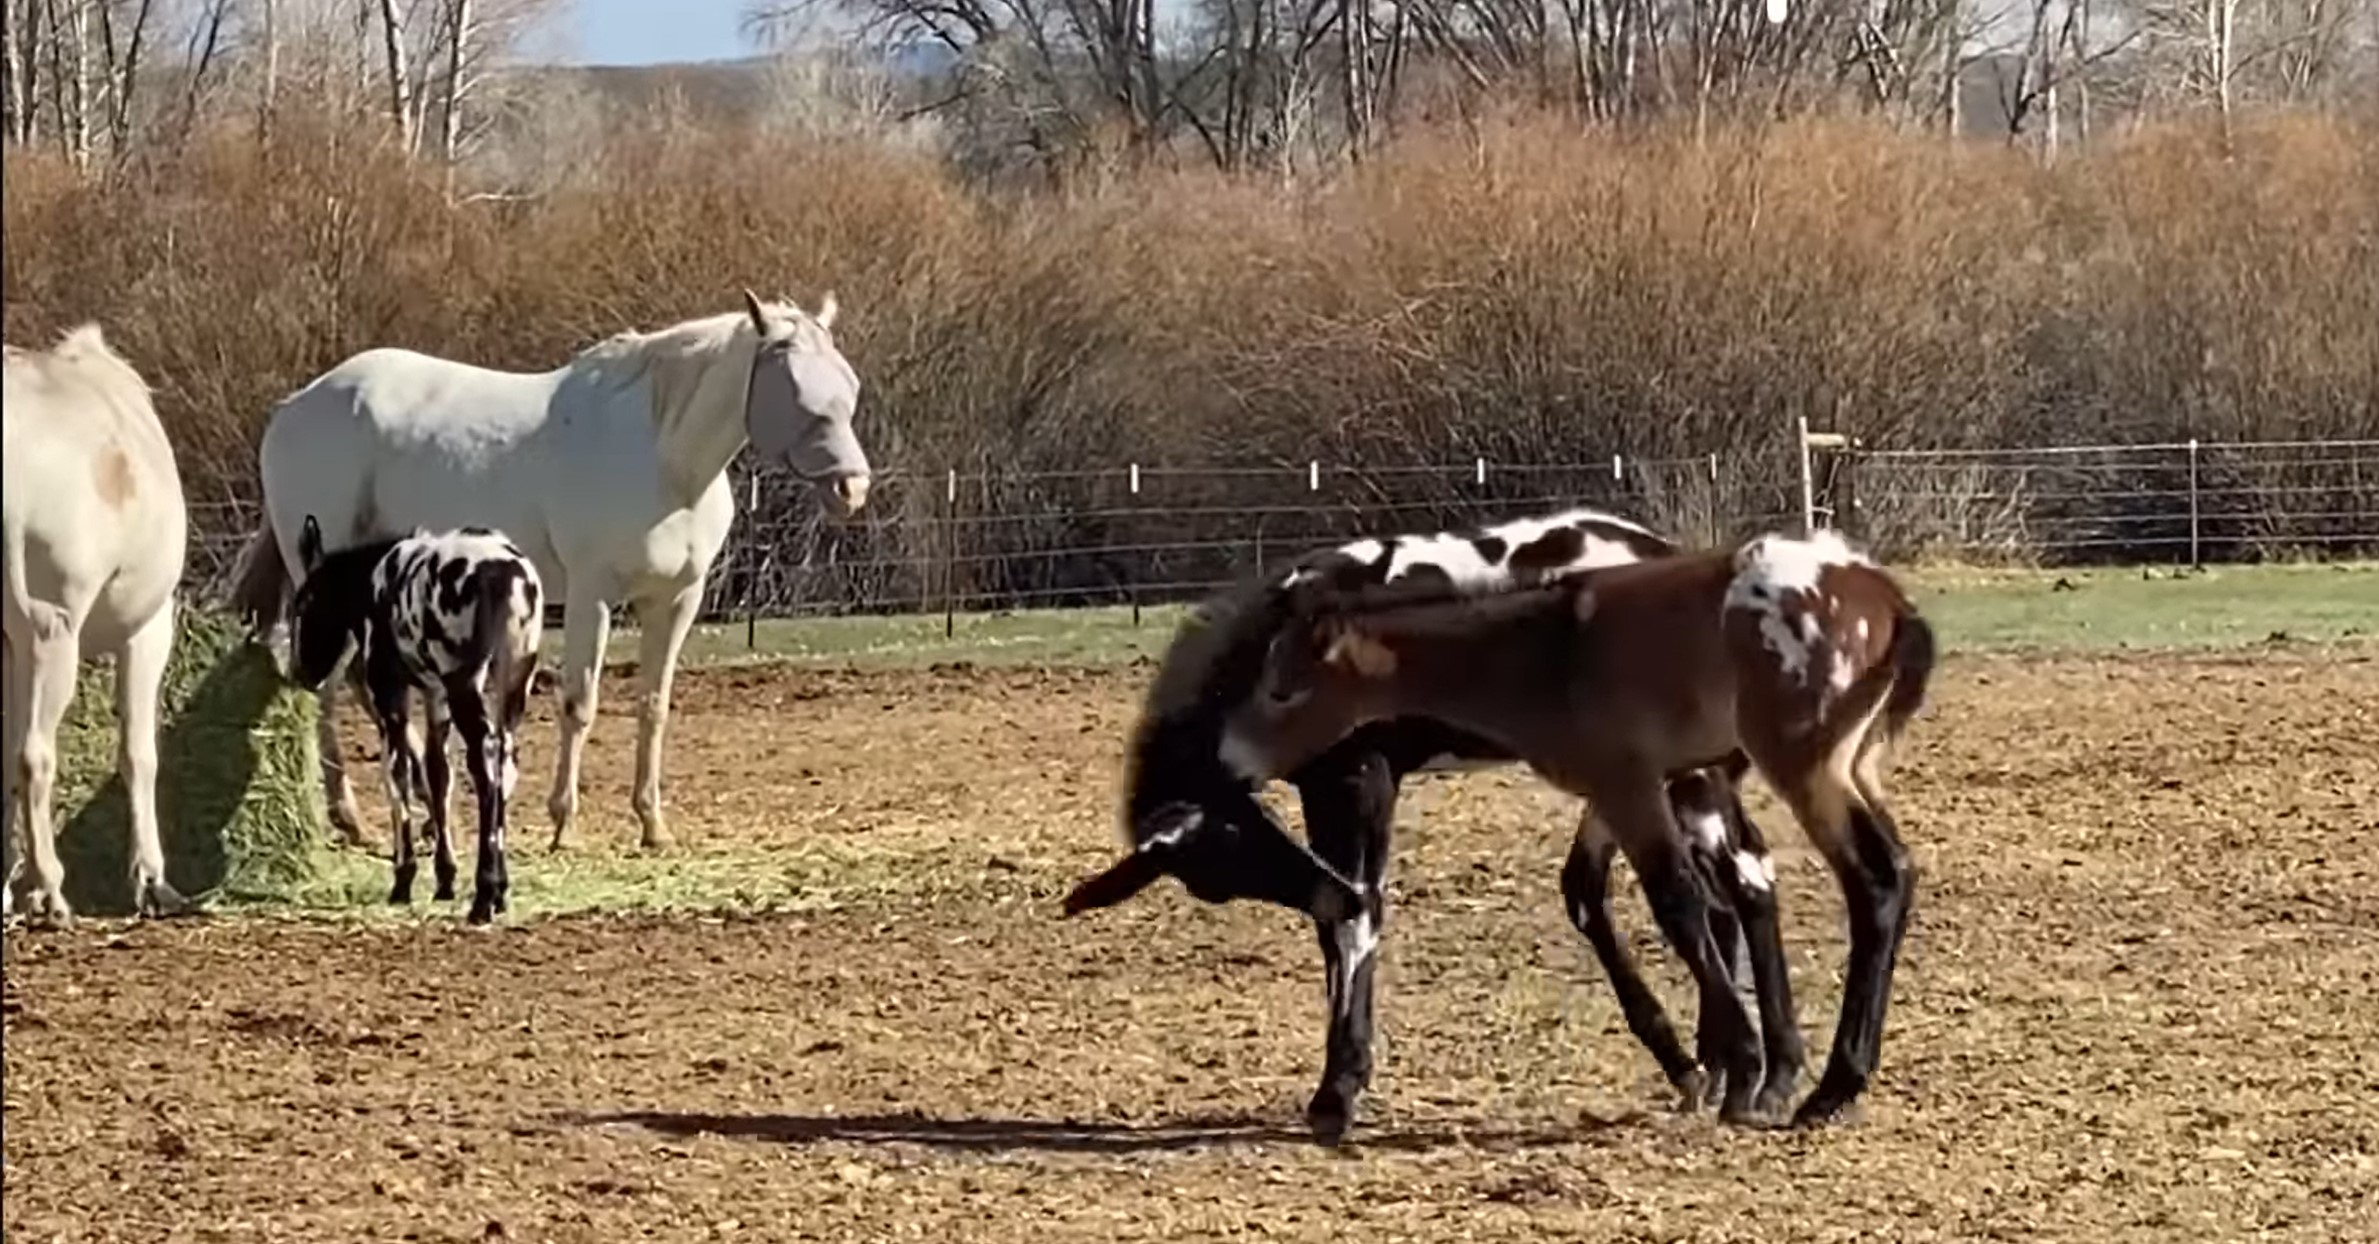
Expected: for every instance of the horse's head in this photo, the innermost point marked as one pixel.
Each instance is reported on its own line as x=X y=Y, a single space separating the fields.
x=798 y=407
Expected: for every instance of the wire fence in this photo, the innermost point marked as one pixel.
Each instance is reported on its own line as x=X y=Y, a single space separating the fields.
x=1139 y=534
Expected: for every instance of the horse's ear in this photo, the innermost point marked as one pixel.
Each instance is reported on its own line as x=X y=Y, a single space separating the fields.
x=759 y=314
x=827 y=307
x=309 y=544
x=1351 y=647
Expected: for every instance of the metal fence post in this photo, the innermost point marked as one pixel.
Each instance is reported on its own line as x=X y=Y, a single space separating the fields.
x=2196 y=559
x=950 y=554
x=1808 y=481
x=1134 y=579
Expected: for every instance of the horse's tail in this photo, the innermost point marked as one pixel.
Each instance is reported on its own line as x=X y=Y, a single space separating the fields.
x=509 y=623
x=260 y=581
x=1914 y=652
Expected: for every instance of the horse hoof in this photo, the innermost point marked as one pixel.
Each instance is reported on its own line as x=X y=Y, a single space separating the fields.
x=1330 y=1118
x=159 y=901
x=1694 y=1089
x=1824 y=1111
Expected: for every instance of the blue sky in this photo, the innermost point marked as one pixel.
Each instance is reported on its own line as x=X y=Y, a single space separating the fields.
x=640 y=32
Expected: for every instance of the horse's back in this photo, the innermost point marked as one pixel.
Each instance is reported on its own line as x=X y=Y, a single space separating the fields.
x=390 y=438
x=93 y=499
x=398 y=396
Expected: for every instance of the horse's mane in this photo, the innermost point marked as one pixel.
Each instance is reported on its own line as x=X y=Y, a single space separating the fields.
x=698 y=364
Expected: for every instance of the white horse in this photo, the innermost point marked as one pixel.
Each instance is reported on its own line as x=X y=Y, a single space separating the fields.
x=96 y=531
x=610 y=472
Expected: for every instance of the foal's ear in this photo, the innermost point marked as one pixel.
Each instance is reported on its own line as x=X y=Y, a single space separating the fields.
x=1351 y=647
x=827 y=308
x=309 y=543
x=759 y=314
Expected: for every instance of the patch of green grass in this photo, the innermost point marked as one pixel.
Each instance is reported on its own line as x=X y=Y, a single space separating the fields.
x=1974 y=609
x=353 y=885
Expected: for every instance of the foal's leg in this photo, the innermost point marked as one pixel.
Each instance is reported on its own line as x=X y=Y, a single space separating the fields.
x=1856 y=834
x=1586 y=892
x=586 y=628
x=665 y=622
x=140 y=675
x=1350 y=805
x=483 y=747
x=1746 y=879
x=441 y=792
x=397 y=763
x=51 y=659
x=1636 y=807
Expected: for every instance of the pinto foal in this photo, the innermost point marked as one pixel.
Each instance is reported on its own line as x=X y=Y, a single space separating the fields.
x=457 y=616
x=1799 y=653
x=1190 y=813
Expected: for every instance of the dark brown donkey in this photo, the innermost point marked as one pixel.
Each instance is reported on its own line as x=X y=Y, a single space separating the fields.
x=1797 y=652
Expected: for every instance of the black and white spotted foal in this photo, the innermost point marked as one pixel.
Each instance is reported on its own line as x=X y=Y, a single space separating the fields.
x=457 y=616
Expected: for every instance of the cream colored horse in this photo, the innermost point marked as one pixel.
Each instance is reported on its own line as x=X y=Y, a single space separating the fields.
x=610 y=471
x=95 y=537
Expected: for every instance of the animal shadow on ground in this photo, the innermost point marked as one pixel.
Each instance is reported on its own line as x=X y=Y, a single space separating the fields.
x=210 y=752
x=1056 y=1136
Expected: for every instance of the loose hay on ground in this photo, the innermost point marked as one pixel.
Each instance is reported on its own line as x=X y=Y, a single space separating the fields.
x=238 y=800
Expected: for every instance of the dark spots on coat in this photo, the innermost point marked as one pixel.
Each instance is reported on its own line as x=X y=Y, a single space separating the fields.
x=1491 y=548
x=1554 y=550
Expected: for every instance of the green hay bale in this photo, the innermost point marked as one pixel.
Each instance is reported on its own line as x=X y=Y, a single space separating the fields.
x=239 y=799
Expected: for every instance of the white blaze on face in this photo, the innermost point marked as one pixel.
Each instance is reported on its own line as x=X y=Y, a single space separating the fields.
x=1708 y=829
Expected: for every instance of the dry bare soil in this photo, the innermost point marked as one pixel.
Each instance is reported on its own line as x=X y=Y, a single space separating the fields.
x=2138 y=1004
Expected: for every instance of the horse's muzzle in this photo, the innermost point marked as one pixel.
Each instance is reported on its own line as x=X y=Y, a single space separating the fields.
x=848 y=493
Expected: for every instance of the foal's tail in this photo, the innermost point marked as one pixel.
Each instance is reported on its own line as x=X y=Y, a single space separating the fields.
x=508 y=626
x=260 y=581
x=1912 y=656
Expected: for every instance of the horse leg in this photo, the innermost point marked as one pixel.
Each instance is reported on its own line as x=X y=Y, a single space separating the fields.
x=1848 y=823
x=483 y=751
x=1585 y=891
x=140 y=674
x=1636 y=808
x=397 y=760
x=1350 y=807
x=17 y=669
x=55 y=653
x=586 y=628
x=440 y=796
x=337 y=795
x=1745 y=877
x=665 y=623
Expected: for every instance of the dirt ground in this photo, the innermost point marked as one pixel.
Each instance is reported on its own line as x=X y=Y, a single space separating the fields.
x=2140 y=1003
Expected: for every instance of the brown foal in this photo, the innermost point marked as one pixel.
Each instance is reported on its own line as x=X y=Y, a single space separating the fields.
x=1799 y=653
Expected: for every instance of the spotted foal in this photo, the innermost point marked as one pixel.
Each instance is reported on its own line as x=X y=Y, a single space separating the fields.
x=1799 y=653
x=457 y=616
x=1190 y=813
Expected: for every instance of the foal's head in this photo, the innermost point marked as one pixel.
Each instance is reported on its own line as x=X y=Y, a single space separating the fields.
x=331 y=606
x=1351 y=659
